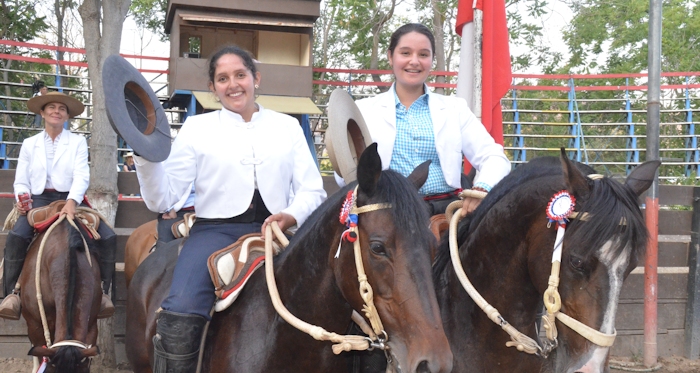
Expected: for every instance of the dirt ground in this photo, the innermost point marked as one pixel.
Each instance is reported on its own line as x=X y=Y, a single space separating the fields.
x=668 y=365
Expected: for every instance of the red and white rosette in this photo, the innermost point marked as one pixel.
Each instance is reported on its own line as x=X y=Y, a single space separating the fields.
x=559 y=208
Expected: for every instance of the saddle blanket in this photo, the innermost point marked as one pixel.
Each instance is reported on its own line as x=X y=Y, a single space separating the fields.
x=231 y=267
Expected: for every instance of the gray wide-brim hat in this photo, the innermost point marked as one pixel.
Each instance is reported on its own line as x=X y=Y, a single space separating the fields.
x=37 y=103
x=347 y=135
x=134 y=111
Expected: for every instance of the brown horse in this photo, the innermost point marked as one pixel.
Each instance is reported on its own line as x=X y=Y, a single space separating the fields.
x=138 y=246
x=71 y=293
x=506 y=248
x=319 y=288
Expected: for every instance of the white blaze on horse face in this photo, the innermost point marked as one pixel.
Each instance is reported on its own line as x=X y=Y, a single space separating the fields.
x=616 y=266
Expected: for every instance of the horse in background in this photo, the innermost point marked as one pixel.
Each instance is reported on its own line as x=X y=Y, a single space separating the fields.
x=506 y=248
x=70 y=289
x=139 y=245
x=319 y=288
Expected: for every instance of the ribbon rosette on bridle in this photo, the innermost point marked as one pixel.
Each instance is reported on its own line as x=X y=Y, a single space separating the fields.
x=349 y=219
x=560 y=207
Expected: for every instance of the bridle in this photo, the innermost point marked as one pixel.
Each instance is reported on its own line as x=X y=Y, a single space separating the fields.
x=378 y=338
x=552 y=299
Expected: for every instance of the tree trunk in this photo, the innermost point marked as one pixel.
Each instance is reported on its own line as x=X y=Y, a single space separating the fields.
x=438 y=23
x=60 y=10
x=377 y=28
x=102 y=30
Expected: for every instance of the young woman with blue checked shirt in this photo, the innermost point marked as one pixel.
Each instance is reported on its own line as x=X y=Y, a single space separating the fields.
x=412 y=125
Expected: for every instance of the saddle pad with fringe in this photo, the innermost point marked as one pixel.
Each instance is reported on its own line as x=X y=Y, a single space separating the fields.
x=182 y=228
x=231 y=267
x=41 y=218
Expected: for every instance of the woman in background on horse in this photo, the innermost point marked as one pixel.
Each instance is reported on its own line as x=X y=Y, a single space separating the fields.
x=244 y=160
x=412 y=125
x=52 y=166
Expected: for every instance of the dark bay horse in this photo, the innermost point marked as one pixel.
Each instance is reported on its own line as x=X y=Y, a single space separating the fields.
x=506 y=248
x=71 y=292
x=319 y=288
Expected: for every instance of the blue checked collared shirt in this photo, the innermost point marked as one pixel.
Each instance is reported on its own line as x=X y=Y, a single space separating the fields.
x=415 y=144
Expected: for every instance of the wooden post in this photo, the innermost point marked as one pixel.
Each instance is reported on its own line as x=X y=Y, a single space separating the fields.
x=692 y=309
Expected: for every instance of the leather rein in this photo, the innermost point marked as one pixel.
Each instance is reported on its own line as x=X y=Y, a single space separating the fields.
x=552 y=299
x=377 y=336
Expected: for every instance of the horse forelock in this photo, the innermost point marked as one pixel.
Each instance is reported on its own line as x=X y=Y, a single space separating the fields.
x=615 y=226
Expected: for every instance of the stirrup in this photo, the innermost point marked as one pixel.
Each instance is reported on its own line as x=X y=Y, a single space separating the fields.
x=106 y=307
x=11 y=307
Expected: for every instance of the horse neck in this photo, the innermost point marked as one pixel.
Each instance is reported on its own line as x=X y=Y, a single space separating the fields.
x=304 y=274
x=496 y=262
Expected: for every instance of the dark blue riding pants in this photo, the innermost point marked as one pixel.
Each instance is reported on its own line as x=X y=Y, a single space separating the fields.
x=192 y=291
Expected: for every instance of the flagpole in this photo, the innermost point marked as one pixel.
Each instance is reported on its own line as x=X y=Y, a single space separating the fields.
x=465 y=78
x=478 y=72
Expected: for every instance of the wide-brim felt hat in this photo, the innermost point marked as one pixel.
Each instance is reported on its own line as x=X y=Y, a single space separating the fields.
x=347 y=135
x=134 y=111
x=37 y=103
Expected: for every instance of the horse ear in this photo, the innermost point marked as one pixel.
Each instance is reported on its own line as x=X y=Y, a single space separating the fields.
x=41 y=351
x=642 y=176
x=420 y=174
x=575 y=179
x=369 y=168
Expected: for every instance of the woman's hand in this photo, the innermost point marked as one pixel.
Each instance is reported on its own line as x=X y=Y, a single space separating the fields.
x=69 y=208
x=284 y=220
x=469 y=204
x=20 y=207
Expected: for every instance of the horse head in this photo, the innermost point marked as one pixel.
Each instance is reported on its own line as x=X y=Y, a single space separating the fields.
x=601 y=247
x=395 y=251
x=508 y=248
x=70 y=293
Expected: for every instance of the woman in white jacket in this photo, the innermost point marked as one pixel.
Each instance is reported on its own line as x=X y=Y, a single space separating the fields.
x=244 y=161
x=412 y=125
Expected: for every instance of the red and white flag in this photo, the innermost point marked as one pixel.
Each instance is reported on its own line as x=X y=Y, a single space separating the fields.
x=496 y=70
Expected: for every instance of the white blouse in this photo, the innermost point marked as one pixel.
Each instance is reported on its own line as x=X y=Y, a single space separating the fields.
x=225 y=156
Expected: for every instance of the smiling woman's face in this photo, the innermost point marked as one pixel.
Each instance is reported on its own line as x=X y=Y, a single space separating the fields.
x=55 y=114
x=234 y=85
x=412 y=60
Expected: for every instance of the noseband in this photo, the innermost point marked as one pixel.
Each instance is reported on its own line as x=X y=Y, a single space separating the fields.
x=559 y=210
x=378 y=337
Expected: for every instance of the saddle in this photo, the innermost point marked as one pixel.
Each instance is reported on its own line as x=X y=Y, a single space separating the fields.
x=231 y=267
x=182 y=228
x=41 y=218
x=438 y=225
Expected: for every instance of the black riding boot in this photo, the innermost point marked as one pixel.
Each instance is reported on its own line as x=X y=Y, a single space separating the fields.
x=15 y=252
x=107 y=248
x=176 y=343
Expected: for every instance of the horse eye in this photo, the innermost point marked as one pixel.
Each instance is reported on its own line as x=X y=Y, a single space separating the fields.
x=378 y=248
x=576 y=263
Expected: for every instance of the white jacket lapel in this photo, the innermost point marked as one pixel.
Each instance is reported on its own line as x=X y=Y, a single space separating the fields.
x=62 y=147
x=437 y=112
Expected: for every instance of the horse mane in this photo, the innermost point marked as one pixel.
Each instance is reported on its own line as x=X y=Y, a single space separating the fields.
x=608 y=198
x=408 y=212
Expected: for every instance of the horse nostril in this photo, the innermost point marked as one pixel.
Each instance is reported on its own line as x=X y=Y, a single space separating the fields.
x=423 y=367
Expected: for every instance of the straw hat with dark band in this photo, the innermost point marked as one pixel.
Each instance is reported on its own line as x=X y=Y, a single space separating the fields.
x=347 y=135
x=37 y=103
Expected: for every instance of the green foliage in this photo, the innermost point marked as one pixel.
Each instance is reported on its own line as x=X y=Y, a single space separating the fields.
x=150 y=15
x=611 y=36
